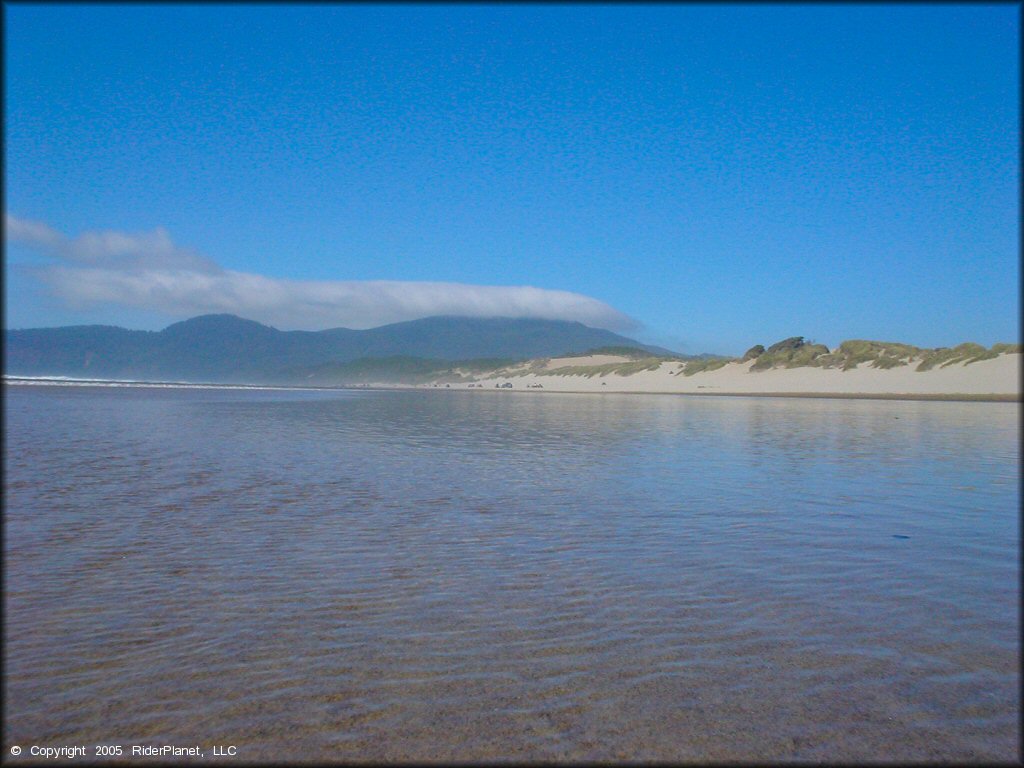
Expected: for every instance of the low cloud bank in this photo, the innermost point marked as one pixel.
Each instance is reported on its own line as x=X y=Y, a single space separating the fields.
x=147 y=270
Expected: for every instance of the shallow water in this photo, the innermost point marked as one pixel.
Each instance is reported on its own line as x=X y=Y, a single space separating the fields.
x=344 y=576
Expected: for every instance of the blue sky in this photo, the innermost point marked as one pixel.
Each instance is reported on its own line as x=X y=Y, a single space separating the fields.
x=704 y=177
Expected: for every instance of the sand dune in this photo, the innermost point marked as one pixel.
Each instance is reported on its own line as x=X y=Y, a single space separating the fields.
x=999 y=377
x=563 y=362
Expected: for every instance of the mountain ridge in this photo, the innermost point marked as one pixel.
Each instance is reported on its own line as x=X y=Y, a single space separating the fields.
x=231 y=349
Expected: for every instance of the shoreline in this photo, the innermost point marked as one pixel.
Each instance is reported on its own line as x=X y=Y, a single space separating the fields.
x=991 y=380
x=952 y=397
x=55 y=381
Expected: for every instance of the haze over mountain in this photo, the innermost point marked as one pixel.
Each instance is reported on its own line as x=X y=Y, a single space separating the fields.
x=227 y=348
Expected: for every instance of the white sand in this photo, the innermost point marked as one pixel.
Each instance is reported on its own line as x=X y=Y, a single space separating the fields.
x=999 y=376
x=564 y=362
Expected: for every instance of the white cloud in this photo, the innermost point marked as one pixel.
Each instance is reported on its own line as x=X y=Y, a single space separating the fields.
x=108 y=249
x=147 y=270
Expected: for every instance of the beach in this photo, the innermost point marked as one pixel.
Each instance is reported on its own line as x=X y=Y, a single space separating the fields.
x=995 y=379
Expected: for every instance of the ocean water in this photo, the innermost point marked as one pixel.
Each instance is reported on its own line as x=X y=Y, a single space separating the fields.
x=478 y=576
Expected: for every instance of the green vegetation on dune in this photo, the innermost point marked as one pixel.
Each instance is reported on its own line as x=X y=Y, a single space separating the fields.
x=1010 y=349
x=704 y=364
x=481 y=365
x=966 y=353
x=795 y=352
x=879 y=354
x=589 y=371
x=633 y=353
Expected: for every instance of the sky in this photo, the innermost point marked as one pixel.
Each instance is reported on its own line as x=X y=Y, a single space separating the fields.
x=704 y=177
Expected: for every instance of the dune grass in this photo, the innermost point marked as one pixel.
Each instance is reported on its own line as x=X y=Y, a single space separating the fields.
x=1009 y=349
x=633 y=353
x=878 y=354
x=795 y=352
x=790 y=353
x=620 y=369
x=703 y=365
x=966 y=353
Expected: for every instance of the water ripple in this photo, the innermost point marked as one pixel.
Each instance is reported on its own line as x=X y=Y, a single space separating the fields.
x=410 y=576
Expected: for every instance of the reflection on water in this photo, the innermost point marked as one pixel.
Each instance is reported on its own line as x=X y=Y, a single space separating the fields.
x=469 y=576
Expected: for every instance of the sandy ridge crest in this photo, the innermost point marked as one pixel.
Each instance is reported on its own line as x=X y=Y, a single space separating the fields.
x=1000 y=376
